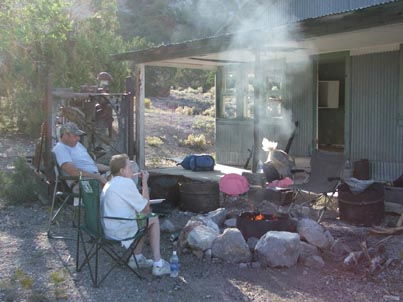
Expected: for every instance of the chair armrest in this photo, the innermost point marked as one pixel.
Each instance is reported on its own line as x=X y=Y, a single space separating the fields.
x=122 y=218
x=67 y=177
x=142 y=220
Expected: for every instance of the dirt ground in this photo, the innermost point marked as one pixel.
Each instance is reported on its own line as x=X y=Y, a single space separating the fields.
x=35 y=268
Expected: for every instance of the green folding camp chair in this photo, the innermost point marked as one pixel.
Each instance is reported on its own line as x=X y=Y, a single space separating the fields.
x=91 y=237
x=63 y=198
x=322 y=181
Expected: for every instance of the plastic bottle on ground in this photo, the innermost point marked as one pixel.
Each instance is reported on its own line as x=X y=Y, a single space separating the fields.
x=174 y=261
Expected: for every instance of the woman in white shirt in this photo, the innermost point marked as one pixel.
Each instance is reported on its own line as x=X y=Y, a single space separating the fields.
x=121 y=198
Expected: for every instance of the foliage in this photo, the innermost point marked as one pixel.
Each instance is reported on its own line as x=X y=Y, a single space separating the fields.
x=154 y=19
x=194 y=78
x=209 y=112
x=159 y=80
x=154 y=141
x=196 y=141
x=185 y=110
x=204 y=123
x=32 y=34
x=167 y=21
x=147 y=103
x=58 y=278
x=19 y=187
x=25 y=280
x=41 y=39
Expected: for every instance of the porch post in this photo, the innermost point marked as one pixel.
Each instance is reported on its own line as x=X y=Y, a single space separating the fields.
x=130 y=122
x=140 y=94
x=47 y=131
x=257 y=109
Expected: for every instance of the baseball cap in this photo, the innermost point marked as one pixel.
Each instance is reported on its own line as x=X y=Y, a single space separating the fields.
x=70 y=127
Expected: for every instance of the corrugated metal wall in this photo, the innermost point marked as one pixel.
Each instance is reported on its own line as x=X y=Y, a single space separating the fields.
x=375 y=131
x=233 y=138
x=299 y=98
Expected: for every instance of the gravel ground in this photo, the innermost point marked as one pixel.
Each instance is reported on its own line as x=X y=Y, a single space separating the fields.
x=35 y=268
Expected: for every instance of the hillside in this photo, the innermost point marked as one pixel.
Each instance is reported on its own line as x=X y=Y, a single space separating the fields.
x=177 y=125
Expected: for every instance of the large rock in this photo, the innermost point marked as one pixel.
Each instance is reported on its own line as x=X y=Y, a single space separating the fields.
x=190 y=225
x=231 y=247
x=314 y=233
x=218 y=216
x=202 y=237
x=278 y=249
x=183 y=236
x=207 y=221
x=307 y=250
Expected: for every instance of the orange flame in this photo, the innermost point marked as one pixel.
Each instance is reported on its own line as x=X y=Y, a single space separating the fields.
x=259 y=217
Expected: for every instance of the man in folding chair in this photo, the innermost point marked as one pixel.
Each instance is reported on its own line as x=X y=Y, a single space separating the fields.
x=121 y=198
x=73 y=157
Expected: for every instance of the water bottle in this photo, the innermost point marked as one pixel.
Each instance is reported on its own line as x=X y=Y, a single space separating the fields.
x=260 y=167
x=174 y=261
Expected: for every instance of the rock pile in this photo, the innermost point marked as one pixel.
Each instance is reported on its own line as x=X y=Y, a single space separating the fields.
x=212 y=235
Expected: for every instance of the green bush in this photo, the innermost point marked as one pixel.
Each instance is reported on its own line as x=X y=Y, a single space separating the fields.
x=210 y=111
x=196 y=141
x=185 y=110
x=154 y=141
x=19 y=186
x=147 y=103
x=204 y=124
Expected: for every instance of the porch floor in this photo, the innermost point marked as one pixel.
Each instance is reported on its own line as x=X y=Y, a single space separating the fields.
x=219 y=171
x=214 y=176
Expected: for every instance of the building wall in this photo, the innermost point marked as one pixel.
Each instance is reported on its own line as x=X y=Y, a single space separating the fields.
x=375 y=131
x=300 y=101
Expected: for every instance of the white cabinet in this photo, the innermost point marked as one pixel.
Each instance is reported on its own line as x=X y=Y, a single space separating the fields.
x=328 y=94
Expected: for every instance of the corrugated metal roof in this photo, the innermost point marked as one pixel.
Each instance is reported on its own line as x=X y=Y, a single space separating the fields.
x=310 y=9
x=288 y=11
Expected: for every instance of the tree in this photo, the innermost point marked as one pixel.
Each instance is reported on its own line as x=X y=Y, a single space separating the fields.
x=32 y=34
x=40 y=37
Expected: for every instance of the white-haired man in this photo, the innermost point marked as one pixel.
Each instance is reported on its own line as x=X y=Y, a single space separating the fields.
x=73 y=157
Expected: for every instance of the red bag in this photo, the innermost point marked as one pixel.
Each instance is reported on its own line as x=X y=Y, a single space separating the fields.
x=234 y=184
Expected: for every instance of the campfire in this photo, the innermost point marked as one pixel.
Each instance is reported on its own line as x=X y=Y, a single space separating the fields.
x=252 y=224
x=260 y=216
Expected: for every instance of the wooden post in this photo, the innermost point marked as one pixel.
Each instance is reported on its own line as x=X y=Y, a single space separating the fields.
x=130 y=91
x=140 y=95
x=48 y=121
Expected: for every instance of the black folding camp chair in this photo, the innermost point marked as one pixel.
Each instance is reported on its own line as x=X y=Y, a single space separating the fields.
x=322 y=181
x=63 y=198
x=91 y=238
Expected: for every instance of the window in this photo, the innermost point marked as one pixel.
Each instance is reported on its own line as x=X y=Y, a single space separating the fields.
x=274 y=98
x=238 y=93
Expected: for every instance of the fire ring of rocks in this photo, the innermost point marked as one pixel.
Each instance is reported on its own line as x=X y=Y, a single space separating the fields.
x=287 y=237
x=273 y=240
